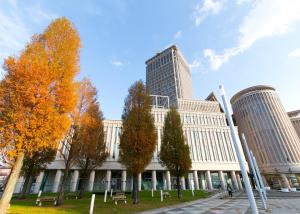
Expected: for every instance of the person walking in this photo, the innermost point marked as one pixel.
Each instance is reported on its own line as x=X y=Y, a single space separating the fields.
x=229 y=189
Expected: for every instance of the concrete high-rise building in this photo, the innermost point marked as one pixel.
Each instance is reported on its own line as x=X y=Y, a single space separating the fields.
x=168 y=74
x=295 y=118
x=270 y=134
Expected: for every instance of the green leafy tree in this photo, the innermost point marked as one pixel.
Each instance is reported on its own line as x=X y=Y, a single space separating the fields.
x=138 y=136
x=174 y=153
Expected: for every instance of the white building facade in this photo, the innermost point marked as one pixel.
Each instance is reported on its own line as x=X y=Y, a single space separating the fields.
x=214 y=162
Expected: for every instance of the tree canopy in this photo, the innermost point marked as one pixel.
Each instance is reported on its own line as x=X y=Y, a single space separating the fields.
x=38 y=91
x=138 y=136
x=37 y=94
x=92 y=152
x=174 y=153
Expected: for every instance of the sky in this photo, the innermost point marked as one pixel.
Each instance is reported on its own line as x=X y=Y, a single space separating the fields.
x=237 y=43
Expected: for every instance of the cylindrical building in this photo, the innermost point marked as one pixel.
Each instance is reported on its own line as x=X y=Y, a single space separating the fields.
x=270 y=134
x=295 y=118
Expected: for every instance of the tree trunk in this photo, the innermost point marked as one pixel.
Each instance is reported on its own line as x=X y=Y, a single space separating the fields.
x=24 y=188
x=83 y=184
x=85 y=173
x=61 y=194
x=82 y=188
x=10 y=186
x=135 y=189
x=178 y=187
x=29 y=184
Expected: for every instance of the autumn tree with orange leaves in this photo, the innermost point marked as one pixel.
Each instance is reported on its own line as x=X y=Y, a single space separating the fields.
x=138 y=136
x=92 y=151
x=37 y=95
x=84 y=144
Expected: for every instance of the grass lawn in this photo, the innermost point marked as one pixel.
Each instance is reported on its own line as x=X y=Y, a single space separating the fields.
x=24 y=206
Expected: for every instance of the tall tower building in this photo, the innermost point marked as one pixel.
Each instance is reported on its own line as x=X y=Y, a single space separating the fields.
x=168 y=74
x=269 y=132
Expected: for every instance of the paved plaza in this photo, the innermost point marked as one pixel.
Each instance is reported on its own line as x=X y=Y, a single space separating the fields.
x=279 y=203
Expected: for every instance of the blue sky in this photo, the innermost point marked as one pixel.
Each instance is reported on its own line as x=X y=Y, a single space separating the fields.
x=238 y=43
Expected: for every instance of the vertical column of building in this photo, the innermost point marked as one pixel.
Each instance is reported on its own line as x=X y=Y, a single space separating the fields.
x=203 y=183
x=108 y=179
x=131 y=183
x=182 y=182
x=124 y=180
x=19 y=184
x=38 y=182
x=91 y=181
x=56 y=180
x=174 y=70
x=239 y=181
x=140 y=182
x=74 y=180
x=222 y=181
x=208 y=180
x=196 y=180
x=168 y=180
x=154 y=181
x=234 y=181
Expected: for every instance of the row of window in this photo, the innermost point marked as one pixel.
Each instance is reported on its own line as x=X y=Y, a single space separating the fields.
x=112 y=136
x=163 y=74
x=163 y=86
x=205 y=145
x=195 y=119
x=162 y=60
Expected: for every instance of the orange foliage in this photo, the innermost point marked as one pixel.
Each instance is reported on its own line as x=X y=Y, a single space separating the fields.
x=93 y=149
x=38 y=91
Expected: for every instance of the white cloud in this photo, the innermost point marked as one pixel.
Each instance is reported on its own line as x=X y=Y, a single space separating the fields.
x=177 y=35
x=116 y=63
x=197 y=67
x=207 y=8
x=267 y=18
x=294 y=54
x=15 y=29
x=195 y=64
x=239 y=2
x=38 y=15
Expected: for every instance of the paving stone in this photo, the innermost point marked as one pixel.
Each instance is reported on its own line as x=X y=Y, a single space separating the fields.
x=278 y=203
